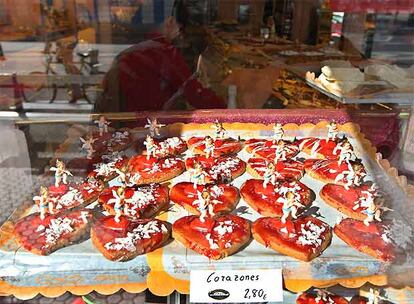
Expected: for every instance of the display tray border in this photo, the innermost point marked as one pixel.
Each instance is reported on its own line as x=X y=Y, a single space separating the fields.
x=157 y=280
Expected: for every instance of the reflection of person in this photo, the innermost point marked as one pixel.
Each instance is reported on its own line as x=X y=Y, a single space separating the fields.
x=152 y=75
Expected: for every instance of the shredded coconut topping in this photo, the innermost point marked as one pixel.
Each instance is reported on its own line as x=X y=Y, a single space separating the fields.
x=223 y=168
x=73 y=195
x=311 y=234
x=142 y=231
x=141 y=198
x=216 y=191
x=60 y=226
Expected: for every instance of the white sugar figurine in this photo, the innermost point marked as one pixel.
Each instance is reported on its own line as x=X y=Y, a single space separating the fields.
x=102 y=125
x=151 y=147
x=154 y=127
x=353 y=176
x=45 y=204
x=87 y=145
x=269 y=175
x=290 y=205
x=332 y=131
x=280 y=153
x=204 y=204
x=219 y=131
x=346 y=153
x=119 y=201
x=197 y=175
x=324 y=296
x=61 y=173
x=209 y=146
x=374 y=296
x=278 y=132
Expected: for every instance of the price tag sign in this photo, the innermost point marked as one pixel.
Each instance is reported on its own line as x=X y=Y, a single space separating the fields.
x=236 y=286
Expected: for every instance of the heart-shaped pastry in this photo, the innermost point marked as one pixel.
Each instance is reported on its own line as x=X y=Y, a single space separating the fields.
x=320 y=297
x=332 y=172
x=290 y=169
x=373 y=239
x=138 y=202
x=143 y=170
x=364 y=300
x=267 y=148
x=67 y=197
x=348 y=201
x=270 y=200
x=219 y=147
x=55 y=231
x=214 y=238
x=320 y=148
x=171 y=146
x=223 y=169
x=224 y=198
x=124 y=240
x=304 y=238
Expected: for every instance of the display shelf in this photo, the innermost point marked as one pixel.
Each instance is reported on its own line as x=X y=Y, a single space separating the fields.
x=154 y=270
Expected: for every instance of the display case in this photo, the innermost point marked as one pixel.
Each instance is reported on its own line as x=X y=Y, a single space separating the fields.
x=144 y=152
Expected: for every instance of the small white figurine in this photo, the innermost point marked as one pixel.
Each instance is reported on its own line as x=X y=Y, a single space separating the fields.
x=151 y=147
x=324 y=296
x=87 y=145
x=346 y=153
x=209 y=146
x=219 y=131
x=291 y=203
x=332 y=131
x=374 y=296
x=102 y=125
x=198 y=175
x=278 y=132
x=119 y=201
x=154 y=127
x=61 y=173
x=45 y=204
x=204 y=205
x=122 y=177
x=353 y=176
x=269 y=175
x=280 y=153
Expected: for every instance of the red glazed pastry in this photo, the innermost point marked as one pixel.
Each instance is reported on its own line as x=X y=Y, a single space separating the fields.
x=214 y=147
x=267 y=148
x=224 y=198
x=139 y=201
x=214 y=238
x=124 y=240
x=270 y=200
x=352 y=202
x=304 y=238
x=222 y=169
x=168 y=147
x=319 y=148
x=321 y=297
x=55 y=231
x=143 y=170
x=348 y=174
x=290 y=169
x=373 y=239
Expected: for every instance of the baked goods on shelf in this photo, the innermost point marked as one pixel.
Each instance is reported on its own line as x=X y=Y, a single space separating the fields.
x=215 y=238
x=372 y=239
x=220 y=198
x=276 y=199
x=124 y=240
x=303 y=238
x=320 y=296
x=54 y=231
x=135 y=202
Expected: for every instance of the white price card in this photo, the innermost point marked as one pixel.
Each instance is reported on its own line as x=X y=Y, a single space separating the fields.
x=236 y=286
